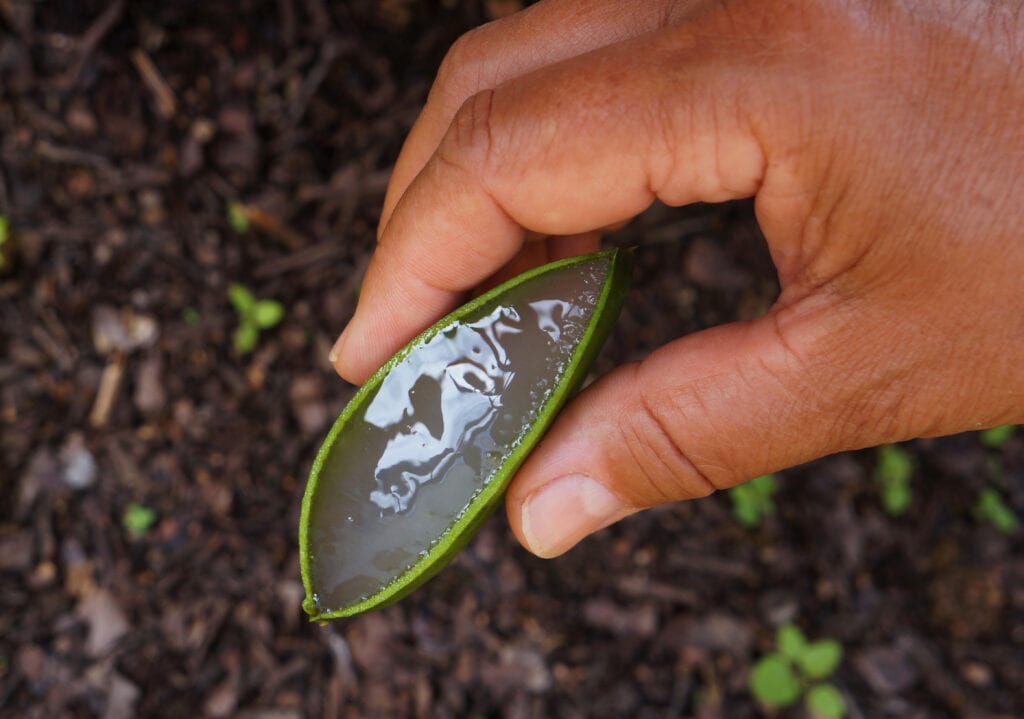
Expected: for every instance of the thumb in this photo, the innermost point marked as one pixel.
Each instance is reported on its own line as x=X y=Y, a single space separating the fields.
x=705 y=412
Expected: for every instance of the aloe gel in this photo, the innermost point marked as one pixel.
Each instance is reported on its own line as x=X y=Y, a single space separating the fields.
x=425 y=448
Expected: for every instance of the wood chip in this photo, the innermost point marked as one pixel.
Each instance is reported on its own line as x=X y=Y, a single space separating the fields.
x=110 y=382
x=163 y=96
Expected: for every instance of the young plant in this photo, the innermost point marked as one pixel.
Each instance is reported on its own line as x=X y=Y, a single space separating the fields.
x=991 y=508
x=752 y=501
x=5 y=236
x=137 y=519
x=893 y=471
x=237 y=217
x=191 y=316
x=253 y=315
x=799 y=667
x=996 y=437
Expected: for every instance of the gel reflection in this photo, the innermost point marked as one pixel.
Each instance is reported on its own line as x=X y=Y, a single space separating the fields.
x=470 y=367
x=437 y=429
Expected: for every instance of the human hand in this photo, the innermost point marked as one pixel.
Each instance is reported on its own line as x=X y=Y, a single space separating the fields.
x=885 y=147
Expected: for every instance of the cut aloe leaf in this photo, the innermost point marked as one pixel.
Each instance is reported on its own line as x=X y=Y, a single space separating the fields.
x=423 y=452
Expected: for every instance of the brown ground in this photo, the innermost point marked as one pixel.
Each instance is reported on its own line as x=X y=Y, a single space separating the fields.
x=125 y=128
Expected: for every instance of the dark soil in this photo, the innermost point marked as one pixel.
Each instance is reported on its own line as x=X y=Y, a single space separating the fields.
x=125 y=131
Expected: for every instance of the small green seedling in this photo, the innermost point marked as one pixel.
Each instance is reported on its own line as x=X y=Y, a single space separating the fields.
x=752 y=501
x=798 y=666
x=253 y=315
x=996 y=437
x=893 y=471
x=991 y=508
x=191 y=316
x=5 y=236
x=237 y=216
x=138 y=519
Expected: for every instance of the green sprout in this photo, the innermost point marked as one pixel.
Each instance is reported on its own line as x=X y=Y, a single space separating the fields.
x=138 y=519
x=996 y=437
x=798 y=666
x=253 y=315
x=991 y=508
x=237 y=216
x=191 y=316
x=893 y=471
x=5 y=235
x=752 y=501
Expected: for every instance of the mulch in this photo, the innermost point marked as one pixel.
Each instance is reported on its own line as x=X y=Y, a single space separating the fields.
x=126 y=131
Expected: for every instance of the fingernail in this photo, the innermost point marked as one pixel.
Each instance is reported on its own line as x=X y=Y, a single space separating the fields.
x=335 y=352
x=562 y=512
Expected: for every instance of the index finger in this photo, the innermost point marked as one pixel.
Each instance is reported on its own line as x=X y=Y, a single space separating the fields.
x=570 y=148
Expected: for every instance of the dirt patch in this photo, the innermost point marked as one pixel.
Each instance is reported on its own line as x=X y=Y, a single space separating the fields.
x=150 y=475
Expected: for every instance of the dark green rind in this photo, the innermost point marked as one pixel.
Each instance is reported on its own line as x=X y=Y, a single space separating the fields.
x=458 y=534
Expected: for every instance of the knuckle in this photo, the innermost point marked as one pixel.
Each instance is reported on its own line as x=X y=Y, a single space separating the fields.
x=665 y=469
x=468 y=144
x=462 y=70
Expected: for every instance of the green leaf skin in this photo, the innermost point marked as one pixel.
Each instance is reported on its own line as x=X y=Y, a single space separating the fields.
x=267 y=313
x=991 y=508
x=820 y=658
x=896 y=498
x=237 y=218
x=765 y=486
x=823 y=701
x=246 y=337
x=138 y=519
x=612 y=291
x=4 y=236
x=773 y=683
x=893 y=472
x=241 y=298
x=997 y=437
x=790 y=642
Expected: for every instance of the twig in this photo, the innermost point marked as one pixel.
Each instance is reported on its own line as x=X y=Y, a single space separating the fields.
x=330 y=51
x=90 y=39
x=273 y=226
x=640 y=587
x=297 y=260
x=72 y=156
x=110 y=381
x=163 y=96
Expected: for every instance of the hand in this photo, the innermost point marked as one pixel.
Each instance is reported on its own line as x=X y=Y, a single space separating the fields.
x=884 y=144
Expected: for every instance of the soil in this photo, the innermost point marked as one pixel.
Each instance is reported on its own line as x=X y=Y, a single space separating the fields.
x=150 y=475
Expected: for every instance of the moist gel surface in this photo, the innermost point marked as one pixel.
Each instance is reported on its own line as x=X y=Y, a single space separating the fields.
x=409 y=462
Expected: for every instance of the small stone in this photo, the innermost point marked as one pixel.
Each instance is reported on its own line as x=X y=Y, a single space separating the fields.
x=43 y=575
x=307 y=399
x=151 y=208
x=121 y=698
x=123 y=330
x=977 y=674
x=107 y=622
x=150 y=396
x=203 y=130
x=80 y=118
x=78 y=466
x=43 y=471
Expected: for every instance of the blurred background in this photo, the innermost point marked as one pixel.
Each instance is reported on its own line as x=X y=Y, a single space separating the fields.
x=156 y=426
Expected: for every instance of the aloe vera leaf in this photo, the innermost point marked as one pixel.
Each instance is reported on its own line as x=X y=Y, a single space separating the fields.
x=423 y=452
